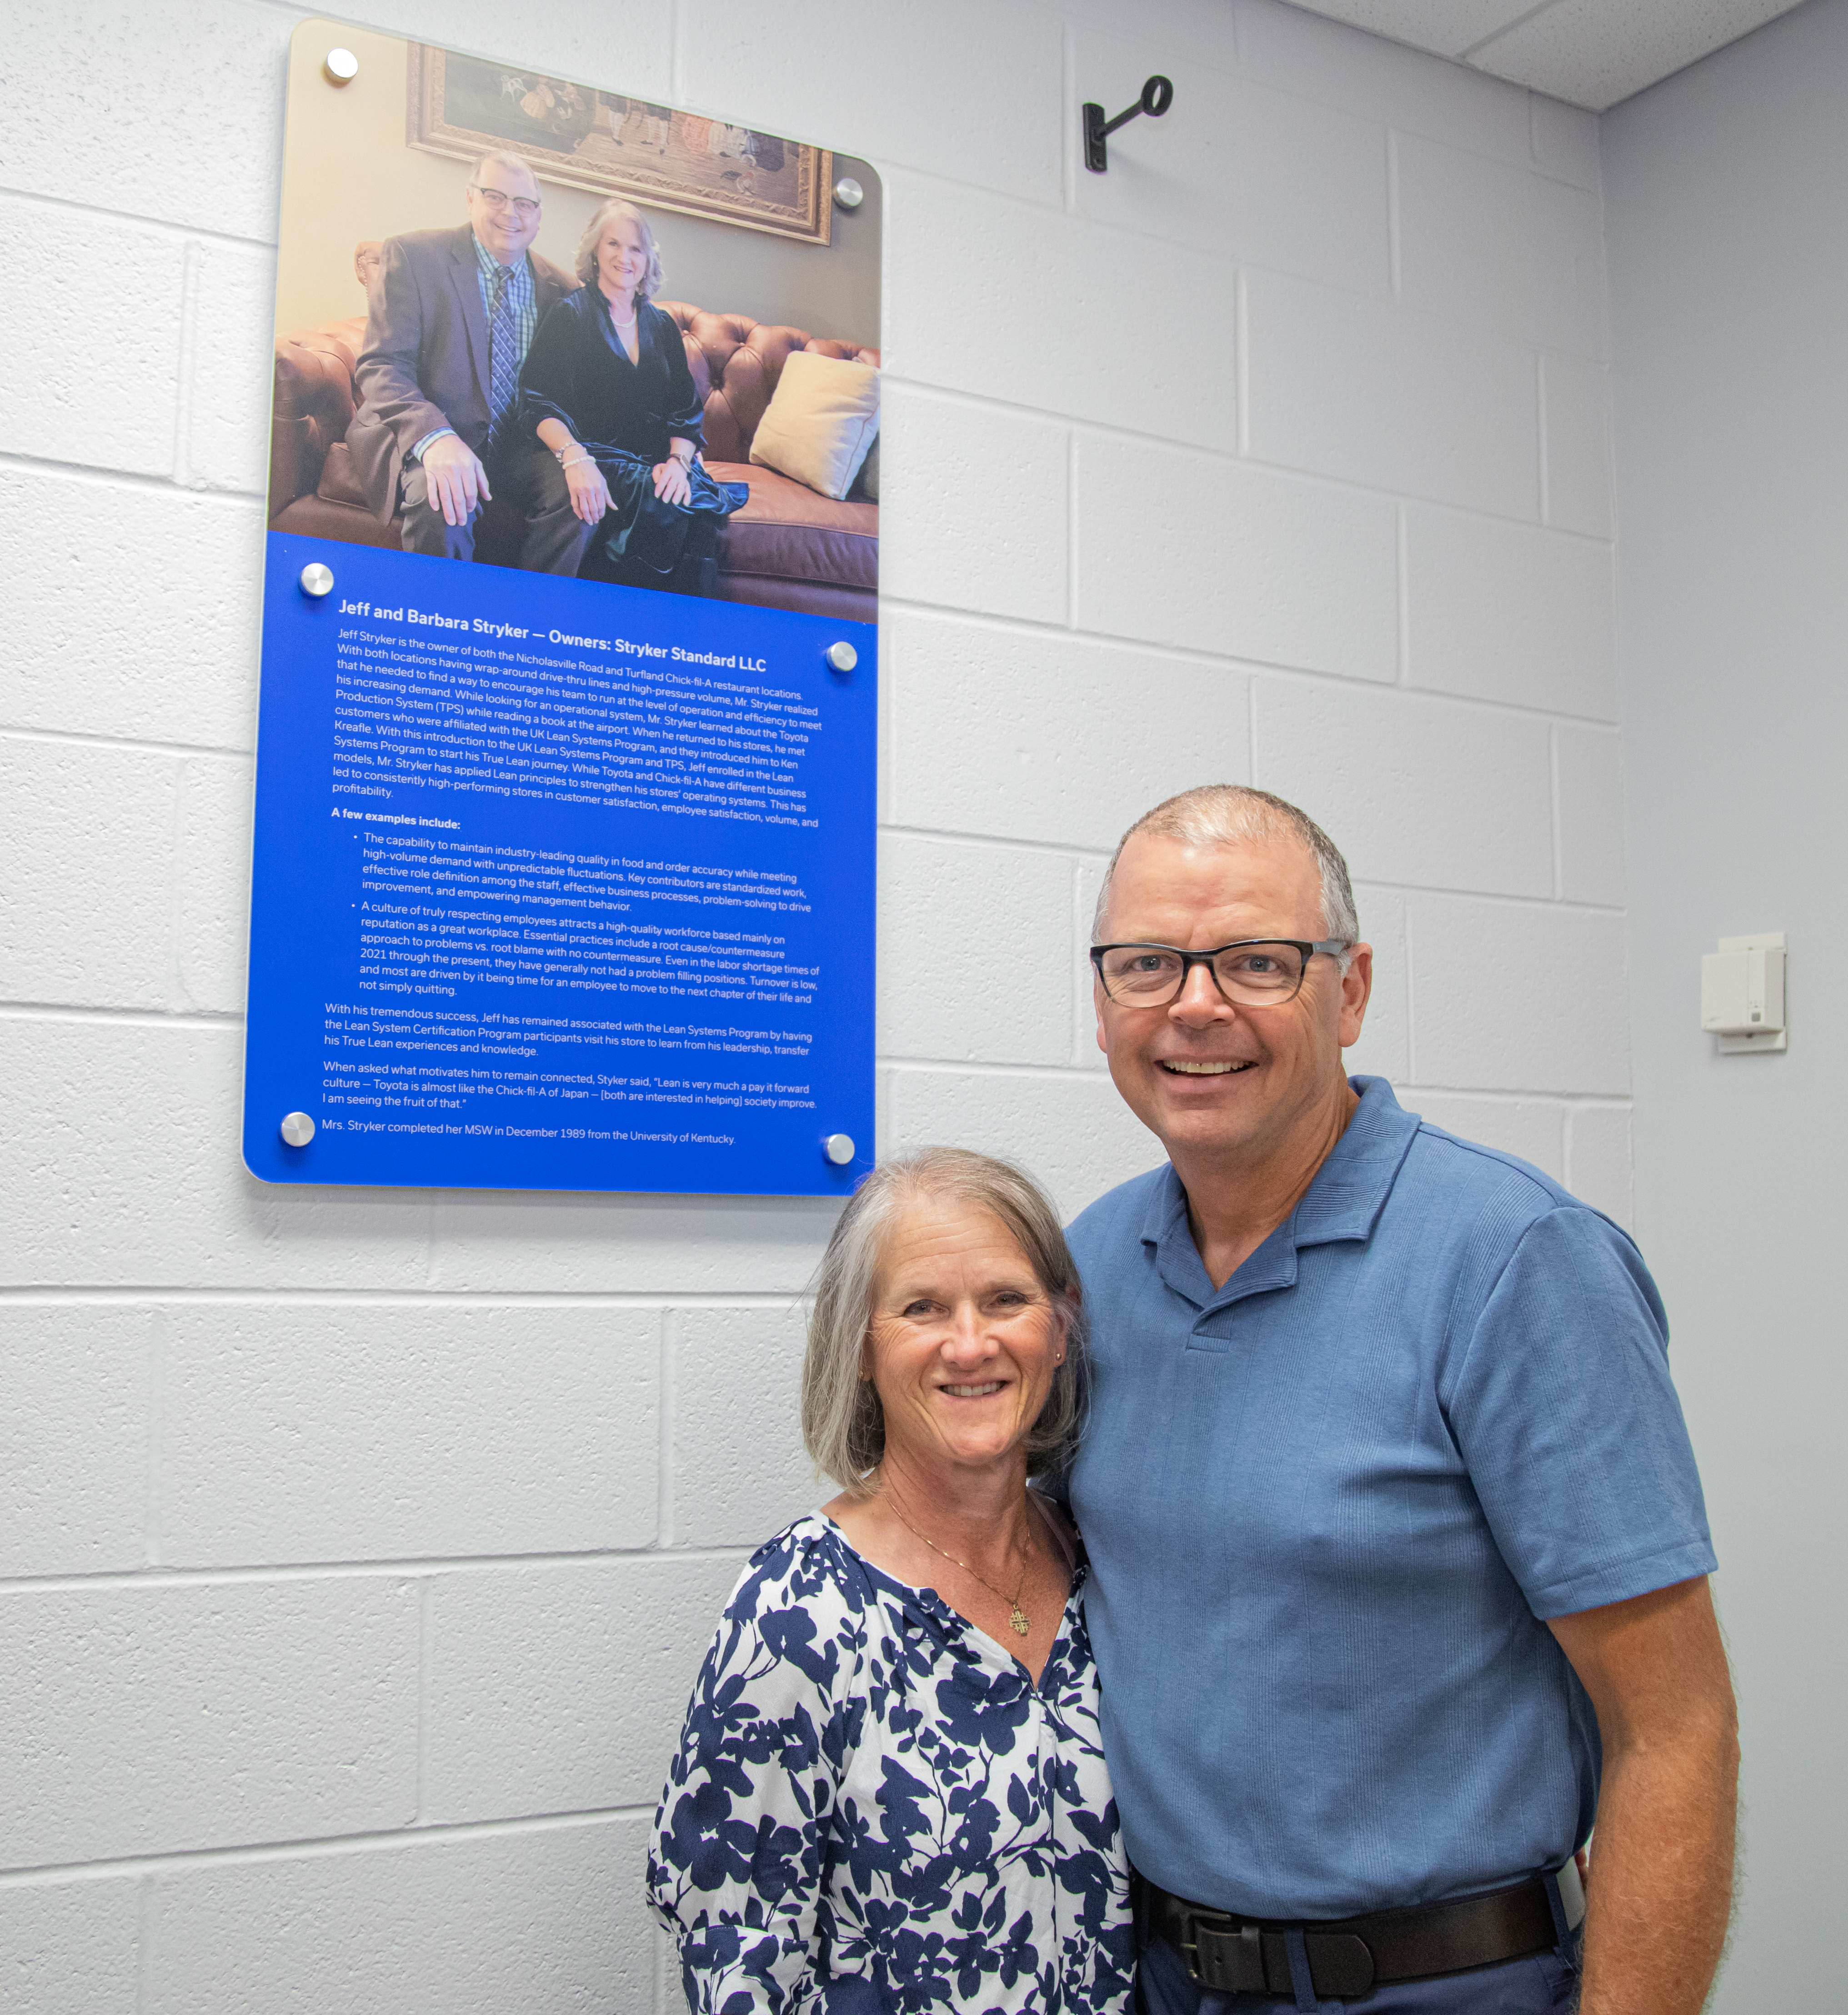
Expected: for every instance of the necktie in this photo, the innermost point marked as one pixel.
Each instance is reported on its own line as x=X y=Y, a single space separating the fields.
x=503 y=350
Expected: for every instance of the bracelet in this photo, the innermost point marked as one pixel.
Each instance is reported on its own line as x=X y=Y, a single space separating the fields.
x=585 y=455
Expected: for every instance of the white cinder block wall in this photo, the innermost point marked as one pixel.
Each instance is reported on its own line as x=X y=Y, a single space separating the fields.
x=358 y=1547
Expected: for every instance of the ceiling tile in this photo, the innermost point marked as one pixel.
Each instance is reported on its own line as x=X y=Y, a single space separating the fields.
x=1445 y=27
x=1592 y=52
x=1588 y=52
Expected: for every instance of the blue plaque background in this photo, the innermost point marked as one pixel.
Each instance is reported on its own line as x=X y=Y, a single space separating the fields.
x=516 y=925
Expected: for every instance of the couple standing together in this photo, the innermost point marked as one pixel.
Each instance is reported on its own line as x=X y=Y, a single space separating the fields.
x=1250 y=1603
x=510 y=412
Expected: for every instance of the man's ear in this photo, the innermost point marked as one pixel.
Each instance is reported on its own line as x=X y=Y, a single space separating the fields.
x=1356 y=990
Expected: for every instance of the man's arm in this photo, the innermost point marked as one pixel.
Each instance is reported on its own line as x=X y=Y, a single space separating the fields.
x=384 y=375
x=1660 y=1893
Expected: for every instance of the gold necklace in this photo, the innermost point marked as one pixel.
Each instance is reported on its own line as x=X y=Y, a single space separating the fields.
x=1018 y=1619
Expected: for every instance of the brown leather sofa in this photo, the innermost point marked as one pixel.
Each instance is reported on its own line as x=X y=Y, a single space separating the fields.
x=789 y=548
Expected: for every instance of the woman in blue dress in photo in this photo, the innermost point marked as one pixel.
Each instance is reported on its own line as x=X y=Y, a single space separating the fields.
x=890 y=1795
x=606 y=388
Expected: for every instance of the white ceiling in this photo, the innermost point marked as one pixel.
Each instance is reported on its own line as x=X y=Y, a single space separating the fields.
x=1589 y=52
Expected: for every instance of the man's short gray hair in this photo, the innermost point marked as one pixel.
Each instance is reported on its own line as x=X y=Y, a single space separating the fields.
x=1228 y=815
x=843 y=1424
x=507 y=159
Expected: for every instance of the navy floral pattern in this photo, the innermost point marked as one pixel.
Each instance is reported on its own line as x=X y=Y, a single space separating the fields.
x=874 y=1811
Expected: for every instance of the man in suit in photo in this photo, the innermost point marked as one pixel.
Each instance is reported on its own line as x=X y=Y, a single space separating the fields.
x=451 y=317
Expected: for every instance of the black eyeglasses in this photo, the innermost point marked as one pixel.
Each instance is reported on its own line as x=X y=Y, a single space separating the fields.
x=498 y=199
x=1250 y=972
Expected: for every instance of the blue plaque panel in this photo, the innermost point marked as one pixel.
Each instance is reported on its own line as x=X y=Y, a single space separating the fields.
x=557 y=884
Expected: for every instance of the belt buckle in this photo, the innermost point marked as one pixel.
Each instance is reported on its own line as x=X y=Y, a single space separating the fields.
x=1225 y=1958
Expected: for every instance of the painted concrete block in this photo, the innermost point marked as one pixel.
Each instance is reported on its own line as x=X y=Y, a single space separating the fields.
x=543 y=1918
x=1590 y=764
x=1510 y=613
x=1328 y=62
x=85 y=917
x=975 y=947
x=390 y=1431
x=1299 y=573
x=562 y=1689
x=498 y=1241
x=1235 y=167
x=1199 y=30
x=118 y=1152
x=980 y=521
x=889 y=92
x=74 y=1437
x=1412 y=790
x=232 y=306
x=1069 y=1130
x=1004 y=733
x=212 y=900
x=93 y=346
x=1574 y=307
x=150 y=1719
x=1385 y=1048
x=192 y=677
x=1574 y=395
x=959 y=251
x=740 y=1473
x=164 y=108
x=1566 y=141
x=1519 y=997
x=70 y=1948
x=1529 y=1127
x=1500 y=246
x=1599 y=1162
x=1342 y=386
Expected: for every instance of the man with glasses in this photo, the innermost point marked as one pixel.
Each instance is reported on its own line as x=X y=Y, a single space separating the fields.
x=1398 y=1554
x=450 y=320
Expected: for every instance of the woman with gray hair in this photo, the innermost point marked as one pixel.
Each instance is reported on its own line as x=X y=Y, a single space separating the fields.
x=890 y=1796
x=607 y=388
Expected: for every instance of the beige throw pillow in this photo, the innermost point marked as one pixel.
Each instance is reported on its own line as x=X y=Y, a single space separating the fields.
x=822 y=418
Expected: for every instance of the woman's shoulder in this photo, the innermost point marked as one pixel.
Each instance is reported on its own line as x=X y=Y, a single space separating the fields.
x=806 y=1561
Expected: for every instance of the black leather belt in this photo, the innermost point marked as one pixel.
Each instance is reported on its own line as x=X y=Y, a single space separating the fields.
x=1349 y=1956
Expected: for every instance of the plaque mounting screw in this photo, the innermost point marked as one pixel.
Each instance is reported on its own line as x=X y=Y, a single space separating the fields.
x=316 y=579
x=839 y=1148
x=297 y=1129
x=843 y=656
x=340 y=67
x=848 y=193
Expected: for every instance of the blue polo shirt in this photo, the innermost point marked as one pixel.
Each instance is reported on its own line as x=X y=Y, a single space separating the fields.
x=1328 y=1505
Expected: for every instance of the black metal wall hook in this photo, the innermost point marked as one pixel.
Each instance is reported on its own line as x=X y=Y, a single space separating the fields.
x=1157 y=95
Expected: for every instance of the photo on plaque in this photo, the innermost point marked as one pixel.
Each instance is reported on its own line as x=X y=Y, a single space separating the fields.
x=675 y=385
x=563 y=867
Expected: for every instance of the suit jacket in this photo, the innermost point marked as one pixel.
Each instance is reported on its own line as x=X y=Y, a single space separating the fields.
x=424 y=365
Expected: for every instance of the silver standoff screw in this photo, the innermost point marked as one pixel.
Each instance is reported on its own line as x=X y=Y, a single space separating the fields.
x=297 y=1129
x=839 y=1148
x=316 y=579
x=339 y=66
x=848 y=193
x=843 y=656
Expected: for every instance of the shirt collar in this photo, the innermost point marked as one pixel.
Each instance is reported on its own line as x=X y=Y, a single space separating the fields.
x=1344 y=1201
x=489 y=265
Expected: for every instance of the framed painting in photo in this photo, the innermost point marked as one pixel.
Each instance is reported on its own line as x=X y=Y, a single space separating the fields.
x=461 y=106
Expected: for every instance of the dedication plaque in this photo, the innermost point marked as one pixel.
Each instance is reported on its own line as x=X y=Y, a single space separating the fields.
x=563 y=878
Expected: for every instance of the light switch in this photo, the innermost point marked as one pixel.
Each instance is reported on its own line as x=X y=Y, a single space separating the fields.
x=1742 y=994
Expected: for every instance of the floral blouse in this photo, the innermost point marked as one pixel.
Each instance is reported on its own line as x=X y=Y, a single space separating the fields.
x=876 y=1812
